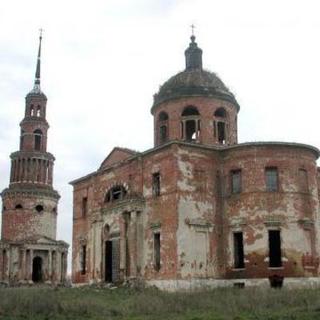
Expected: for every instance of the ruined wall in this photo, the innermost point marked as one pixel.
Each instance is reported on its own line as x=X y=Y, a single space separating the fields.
x=292 y=209
x=206 y=107
x=26 y=222
x=198 y=207
x=132 y=221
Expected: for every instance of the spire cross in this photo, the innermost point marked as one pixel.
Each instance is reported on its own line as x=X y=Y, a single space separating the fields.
x=192 y=29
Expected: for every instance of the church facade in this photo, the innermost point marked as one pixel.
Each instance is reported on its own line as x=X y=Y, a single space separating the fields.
x=199 y=209
x=29 y=251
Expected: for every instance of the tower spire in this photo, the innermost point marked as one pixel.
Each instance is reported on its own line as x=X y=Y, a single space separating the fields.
x=36 y=87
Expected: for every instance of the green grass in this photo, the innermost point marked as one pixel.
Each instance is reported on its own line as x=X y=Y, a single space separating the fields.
x=152 y=304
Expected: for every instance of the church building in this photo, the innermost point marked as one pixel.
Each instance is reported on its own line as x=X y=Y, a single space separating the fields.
x=29 y=251
x=198 y=209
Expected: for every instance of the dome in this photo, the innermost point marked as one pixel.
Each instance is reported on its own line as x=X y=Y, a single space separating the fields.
x=193 y=81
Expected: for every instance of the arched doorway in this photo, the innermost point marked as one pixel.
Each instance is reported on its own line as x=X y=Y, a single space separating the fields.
x=37 y=269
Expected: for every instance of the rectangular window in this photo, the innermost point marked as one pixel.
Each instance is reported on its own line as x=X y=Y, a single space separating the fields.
x=156 y=249
x=156 y=184
x=84 y=206
x=303 y=180
x=274 y=249
x=238 y=250
x=271 y=179
x=83 y=259
x=236 y=181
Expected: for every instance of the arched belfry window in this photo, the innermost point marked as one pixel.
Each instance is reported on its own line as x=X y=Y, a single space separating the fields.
x=37 y=139
x=163 y=127
x=220 y=125
x=115 y=193
x=32 y=110
x=38 y=111
x=190 y=124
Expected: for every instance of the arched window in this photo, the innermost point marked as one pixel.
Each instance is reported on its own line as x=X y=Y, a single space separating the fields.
x=190 y=124
x=220 y=113
x=219 y=125
x=32 y=110
x=163 y=116
x=18 y=206
x=37 y=139
x=116 y=193
x=163 y=127
x=38 y=111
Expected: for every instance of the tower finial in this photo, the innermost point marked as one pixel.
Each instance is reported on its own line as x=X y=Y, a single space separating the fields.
x=192 y=29
x=193 y=54
x=36 y=87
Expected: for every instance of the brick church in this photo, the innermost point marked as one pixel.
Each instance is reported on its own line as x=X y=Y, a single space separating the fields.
x=29 y=251
x=198 y=209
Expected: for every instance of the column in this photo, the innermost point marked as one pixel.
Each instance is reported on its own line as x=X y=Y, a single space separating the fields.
x=122 y=248
x=8 y=263
x=139 y=242
x=50 y=172
x=58 y=271
x=23 y=265
x=12 y=170
x=30 y=265
x=133 y=244
x=50 y=265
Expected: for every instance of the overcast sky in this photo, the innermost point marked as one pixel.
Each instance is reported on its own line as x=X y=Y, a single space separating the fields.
x=102 y=61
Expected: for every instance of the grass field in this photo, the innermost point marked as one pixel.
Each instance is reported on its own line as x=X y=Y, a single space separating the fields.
x=134 y=304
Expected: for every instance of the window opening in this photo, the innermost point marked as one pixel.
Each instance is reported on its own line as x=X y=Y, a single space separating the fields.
x=37 y=139
x=108 y=261
x=116 y=193
x=19 y=206
x=221 y=113
x=163 y=134
x=156 y=184
x=274 y=249
x=163 y=116
x=39 y=208
x=236 y=181
x=83 y=259
x=157 y=258
x=190 y=130
x=32 y=111
x=238 y=250
x=190 y=111
x=221 y=132
x=84 y=206
x=271 y=179
x=38 y=111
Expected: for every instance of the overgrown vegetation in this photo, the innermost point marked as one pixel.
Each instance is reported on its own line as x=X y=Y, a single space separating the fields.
x=133 y=304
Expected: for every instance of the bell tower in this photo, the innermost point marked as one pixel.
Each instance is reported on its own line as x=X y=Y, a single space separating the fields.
x=195 y=106
x=30 y=202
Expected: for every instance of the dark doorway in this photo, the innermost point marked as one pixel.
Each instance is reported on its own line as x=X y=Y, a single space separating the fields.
x=37 y=269
x=274 y=249
x=238 y=250
x=108 y=261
